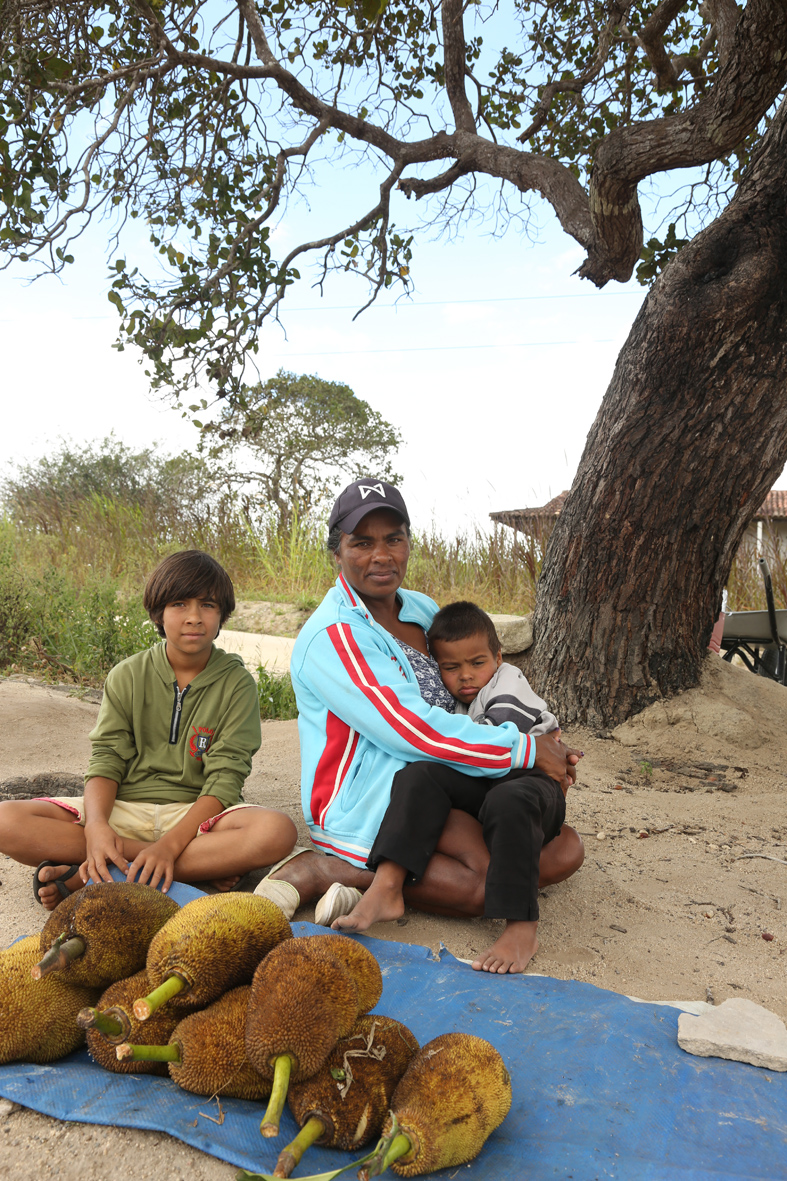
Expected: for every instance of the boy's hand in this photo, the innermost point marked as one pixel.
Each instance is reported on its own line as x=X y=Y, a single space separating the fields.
x=102 y=844
x=153 y=864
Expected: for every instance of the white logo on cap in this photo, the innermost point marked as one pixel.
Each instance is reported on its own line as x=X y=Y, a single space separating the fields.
x=365 y=489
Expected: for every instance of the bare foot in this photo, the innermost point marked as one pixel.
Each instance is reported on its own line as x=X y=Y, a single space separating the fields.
x=512 y=952
x=380 y=904
x=50 y=895
x=224 y=884
x=313 y=873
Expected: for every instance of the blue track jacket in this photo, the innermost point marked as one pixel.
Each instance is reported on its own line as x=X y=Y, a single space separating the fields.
x=362 y=718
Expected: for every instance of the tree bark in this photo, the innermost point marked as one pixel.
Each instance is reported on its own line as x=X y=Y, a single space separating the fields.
x=690 y=436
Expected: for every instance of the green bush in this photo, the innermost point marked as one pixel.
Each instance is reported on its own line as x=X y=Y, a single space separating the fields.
x=15 y=614
x=277 y=696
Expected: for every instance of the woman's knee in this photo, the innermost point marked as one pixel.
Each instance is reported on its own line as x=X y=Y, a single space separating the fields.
x=462 y=839
x=562 y=857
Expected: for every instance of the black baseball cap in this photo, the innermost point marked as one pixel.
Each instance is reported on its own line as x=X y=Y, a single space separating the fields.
x=362 y=497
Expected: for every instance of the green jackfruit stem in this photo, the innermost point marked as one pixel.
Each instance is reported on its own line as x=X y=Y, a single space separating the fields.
x=291 y=1155
x=146 y=1006
x=59 y=956
x=129 y=1053
x=390 y=1148
x=281 y=1081
x=106 y=1023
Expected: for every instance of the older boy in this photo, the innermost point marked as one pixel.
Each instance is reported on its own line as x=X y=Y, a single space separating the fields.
x=172 y=746
x=463 y=641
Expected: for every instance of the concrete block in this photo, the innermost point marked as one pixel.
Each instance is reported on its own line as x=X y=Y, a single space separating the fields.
x=515 y=632
x=739 y=1030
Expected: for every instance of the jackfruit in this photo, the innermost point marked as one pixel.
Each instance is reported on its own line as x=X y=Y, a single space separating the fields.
x=213 y=944
x=360 y=963
x=207 y=1053
x=452 y=1096
x=112 y=1022
x=302 y=1001
x=37 y=1018
x=102 y=932
x=345 y=1103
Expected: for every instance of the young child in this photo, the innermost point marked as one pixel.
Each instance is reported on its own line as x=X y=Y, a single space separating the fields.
x=172 y=746
x=463 y=641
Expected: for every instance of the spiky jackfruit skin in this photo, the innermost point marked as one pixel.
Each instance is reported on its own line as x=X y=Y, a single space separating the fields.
x=360 y=963
x=118 y=999
x=355 y=1115
x=117 y=921
x=213 y=1051
x=215 y=943
x=37 y=1017
x=302 y=1001
x=452 y=1096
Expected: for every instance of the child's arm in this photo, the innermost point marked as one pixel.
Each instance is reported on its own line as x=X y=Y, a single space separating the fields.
x=509 y=698
x=101 y=842
x=156 y=862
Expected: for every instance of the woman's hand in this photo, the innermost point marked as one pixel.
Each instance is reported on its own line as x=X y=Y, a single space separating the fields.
x=557 y=760
x=102 y=844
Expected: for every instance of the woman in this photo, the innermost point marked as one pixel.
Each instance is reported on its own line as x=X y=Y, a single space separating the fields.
x=371 y=702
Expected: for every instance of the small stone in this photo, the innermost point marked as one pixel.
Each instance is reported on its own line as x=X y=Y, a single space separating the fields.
x=738 y=1030
x=767 y=936
x=7 y=1106
x=515 y=632
x=601 y=836
x=642 y=834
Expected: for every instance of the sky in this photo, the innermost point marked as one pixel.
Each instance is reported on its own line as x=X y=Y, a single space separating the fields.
x=493 y=370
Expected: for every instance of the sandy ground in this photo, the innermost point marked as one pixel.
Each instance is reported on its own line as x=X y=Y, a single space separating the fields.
x=273 y=652
x=683 y=815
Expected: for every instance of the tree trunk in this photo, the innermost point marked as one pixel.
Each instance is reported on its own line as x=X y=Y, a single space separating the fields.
x=690 y=436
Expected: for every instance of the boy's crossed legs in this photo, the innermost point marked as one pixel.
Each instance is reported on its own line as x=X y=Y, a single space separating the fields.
x=247 y=838
x=519 y=813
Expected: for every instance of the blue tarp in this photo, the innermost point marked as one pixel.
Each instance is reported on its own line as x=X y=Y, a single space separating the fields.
x=600 y=1087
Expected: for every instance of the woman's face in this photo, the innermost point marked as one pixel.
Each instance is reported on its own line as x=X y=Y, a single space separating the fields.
x=373 y=559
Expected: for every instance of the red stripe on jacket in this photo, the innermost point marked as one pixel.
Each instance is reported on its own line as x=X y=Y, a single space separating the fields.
x=346 y=853
x=335 y=760
x=413 y=729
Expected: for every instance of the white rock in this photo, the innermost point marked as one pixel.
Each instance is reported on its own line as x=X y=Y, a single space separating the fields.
x=515 y=632
x=6 y=1107
x=737 y=1029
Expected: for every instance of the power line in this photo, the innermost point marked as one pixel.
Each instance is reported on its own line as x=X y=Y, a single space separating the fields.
x=437 y=303
x=447 y=348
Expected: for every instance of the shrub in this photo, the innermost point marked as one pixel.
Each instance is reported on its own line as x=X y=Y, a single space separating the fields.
x=277 y=696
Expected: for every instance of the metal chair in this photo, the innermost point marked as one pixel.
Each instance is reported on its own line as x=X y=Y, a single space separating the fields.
x=759 y=637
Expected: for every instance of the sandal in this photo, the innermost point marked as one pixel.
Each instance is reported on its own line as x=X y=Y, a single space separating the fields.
x=59 y=882
x=337 y=901
x=283 y=894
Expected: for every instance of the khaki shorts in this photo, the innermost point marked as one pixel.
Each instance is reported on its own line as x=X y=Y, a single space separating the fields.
x=140 y=821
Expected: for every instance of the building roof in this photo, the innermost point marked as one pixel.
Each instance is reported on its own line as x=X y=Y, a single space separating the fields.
x=774 y=507
x=525 y=518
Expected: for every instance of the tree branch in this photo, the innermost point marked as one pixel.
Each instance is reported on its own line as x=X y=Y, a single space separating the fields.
x=454 y=64
x=754 y=74
x=723 y=16
x=575 y=85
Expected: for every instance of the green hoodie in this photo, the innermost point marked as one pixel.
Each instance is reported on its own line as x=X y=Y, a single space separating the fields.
x=163 y=754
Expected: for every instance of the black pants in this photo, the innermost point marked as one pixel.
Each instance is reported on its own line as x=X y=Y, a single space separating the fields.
x=519 y=813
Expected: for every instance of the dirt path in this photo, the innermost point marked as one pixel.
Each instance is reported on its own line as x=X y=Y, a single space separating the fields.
x=681 y=811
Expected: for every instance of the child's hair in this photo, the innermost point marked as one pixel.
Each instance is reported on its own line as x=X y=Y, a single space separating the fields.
x=457 y=621
x=187 y=575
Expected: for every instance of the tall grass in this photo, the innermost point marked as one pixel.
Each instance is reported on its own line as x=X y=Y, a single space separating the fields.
x=745 y=590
